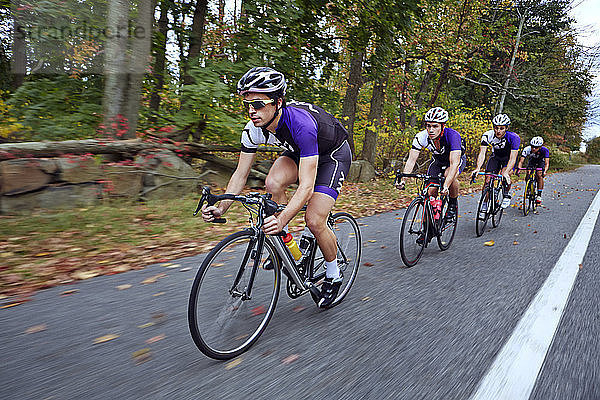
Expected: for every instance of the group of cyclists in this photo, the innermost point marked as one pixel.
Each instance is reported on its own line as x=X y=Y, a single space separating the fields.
x=318 y=157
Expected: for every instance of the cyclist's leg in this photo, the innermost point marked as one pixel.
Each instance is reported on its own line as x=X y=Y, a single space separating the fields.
x=455 y=186
x=434 y=169
x=331 y=173
x=282 y=174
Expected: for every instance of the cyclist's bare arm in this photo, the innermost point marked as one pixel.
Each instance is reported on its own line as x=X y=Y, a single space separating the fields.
x=234 y=186
x=511 y=163
x=307 y=174
x=452 y=171
x=480 y=158
x=547 y=165
x=413 y=154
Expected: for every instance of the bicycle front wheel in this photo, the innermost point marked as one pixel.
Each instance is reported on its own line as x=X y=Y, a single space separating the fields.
x=447 y=228
x=228 y=310
x=482 y=215
x=498 y=210
x=527 y=198
x=532 y=195
x=413 y=232
x=349 y=251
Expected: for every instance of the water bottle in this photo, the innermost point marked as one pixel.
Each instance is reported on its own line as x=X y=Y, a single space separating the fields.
x=437 y=207
x=291 y=244
x=305 y=240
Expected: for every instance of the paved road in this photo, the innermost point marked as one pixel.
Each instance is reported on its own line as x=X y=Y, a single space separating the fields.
x=428 y=332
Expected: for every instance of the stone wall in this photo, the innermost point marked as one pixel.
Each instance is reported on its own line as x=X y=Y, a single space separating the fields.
x=73 y=181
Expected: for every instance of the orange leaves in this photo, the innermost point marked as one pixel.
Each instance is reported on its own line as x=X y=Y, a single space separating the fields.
x=489 y=243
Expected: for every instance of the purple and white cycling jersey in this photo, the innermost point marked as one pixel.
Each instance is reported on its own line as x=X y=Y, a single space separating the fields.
x=450 y=140
x=501 y=148
x=541 y=154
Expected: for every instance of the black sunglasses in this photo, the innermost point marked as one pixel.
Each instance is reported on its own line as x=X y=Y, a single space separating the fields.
x=257 y=104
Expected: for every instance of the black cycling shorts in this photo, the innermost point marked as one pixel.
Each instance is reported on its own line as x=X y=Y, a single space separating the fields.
x=495 y=164
x=332 y=169
x=536 y=163
x=436 y=167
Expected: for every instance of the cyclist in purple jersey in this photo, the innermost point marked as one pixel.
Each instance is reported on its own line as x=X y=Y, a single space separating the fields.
x=447 y=149
x=505 y=149
x=318 y=156
x=539 y=157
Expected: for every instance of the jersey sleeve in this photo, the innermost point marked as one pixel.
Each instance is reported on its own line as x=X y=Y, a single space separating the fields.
x=420 y=141
x=545 y=152
x=485 y=138
x=252 y=137
x=454 y=139
x=303 y=128
x=515 y=141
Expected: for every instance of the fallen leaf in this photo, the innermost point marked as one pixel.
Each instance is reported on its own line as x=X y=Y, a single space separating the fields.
x=515 y=243
x=372 y=241
x=105 y=338
x=368 y=264
x=383 y=247
x=534 y=231
x=366 y=298
x=580 y=266
x=123 y=287
x=146 y=325
x=290 y=359
x=489 y=243
x=258 y=310
x=41 y=254
x=69 y=292
x=241 y=337
x=156 y=338
x=153 y=279
x=565 y=236
x=158 y=294
x=142 y=355
x=172 y=266
x=233 y=363
x=298 y=309
x=185 y=269
x=36 y=328
x=82 y=275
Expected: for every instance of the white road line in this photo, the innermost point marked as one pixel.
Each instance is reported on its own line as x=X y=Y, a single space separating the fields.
x=514 y=372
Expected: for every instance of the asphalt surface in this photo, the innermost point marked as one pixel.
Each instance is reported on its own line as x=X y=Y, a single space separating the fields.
x=426 y=332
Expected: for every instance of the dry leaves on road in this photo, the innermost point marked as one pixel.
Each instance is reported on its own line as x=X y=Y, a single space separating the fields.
x=105 y=338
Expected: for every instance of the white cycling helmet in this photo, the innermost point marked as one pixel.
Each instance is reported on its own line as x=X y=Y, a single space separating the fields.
x=536 y=141
x=501 y=119
x=436 y=114
x=262 y=80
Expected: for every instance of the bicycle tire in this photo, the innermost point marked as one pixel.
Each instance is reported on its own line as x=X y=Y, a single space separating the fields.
x=482 y=217
x=526 y=198
x=498 y=210
x=214 y=281
x=533 y=195
x=444 y=242
x=414 y=214
x=349 y=252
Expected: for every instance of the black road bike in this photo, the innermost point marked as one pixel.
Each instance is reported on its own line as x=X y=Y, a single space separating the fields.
x=490 y=202
x=422 y=221
x=236 y=288
x=530 y=193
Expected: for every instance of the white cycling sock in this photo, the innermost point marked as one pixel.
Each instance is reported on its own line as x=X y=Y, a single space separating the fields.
x=332 y=269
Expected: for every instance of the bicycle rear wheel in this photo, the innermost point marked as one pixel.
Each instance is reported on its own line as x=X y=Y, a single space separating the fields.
x=349 y=250
x=413 y=232
x=223 y=321
x=482 y=216
x=447 y=229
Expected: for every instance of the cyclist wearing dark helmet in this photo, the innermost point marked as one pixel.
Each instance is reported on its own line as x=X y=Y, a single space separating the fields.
x=505 y=149
x=318 y=156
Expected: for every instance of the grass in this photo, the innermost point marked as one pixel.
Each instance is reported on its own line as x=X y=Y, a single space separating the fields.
x=48 y=248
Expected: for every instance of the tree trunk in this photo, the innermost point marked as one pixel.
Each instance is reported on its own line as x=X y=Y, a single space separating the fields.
x=195 y=38
x=354 y=84
x=158 y=71
x=420 y=96
x=374 y=120
x=441 y=81
x=19 y=55
x=141 y=43
x=511 y=66
x=403 y=94
x=115 y=68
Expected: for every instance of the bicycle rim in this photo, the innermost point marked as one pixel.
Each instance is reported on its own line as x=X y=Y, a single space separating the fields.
x=349 y=251
x=532 y=197
x=498 y=210
x=222 y=323
x=447 y=229
x=482 y=217
x=414 y=226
